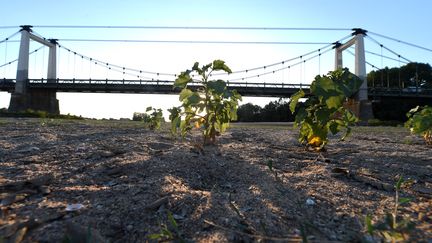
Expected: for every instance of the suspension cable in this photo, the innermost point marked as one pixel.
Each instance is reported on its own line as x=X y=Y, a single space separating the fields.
x=9 y=27
x=284 y=61
x=399 y=73
x=34 y=63
x=283 y=68
x=43 y=61
x=400 y=41
x=384 y=56
x=15 y=60
x=368 y=63
x=388 y=49
x=197 y=42
x=9 y=37
x=5 y=58
x=188 y=27
x=116 y=66
x=382 y=67
x=169 y=74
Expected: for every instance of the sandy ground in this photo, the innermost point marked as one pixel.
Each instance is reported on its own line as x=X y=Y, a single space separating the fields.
x=118 y=182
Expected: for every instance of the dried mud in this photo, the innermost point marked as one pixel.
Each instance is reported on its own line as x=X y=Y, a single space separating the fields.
x=122 y=181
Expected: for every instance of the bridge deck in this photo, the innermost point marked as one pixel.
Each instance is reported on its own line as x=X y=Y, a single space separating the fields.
x=166 y=87
x=149 y=86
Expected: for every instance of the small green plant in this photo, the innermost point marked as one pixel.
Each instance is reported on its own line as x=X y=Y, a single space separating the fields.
x=270 y=166
x=392 y=228
x=170 y=232
x=155 y=118
x=420 y=122
x=152 y=118
x=323 y=111
x=211 y=106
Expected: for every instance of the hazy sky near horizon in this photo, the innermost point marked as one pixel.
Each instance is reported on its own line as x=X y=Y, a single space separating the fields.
x=405 y=20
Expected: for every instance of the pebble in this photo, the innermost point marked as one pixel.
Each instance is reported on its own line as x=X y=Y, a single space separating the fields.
x=129 y=227
x=310 y=202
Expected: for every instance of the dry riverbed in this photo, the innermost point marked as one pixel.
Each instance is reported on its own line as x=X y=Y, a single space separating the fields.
x=118 y=182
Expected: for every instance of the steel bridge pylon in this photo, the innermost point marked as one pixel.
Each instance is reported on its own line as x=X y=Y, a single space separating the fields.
x=22 y=98
x=363 y=105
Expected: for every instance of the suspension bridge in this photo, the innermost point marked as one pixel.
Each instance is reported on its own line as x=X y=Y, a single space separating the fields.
x=40 y=94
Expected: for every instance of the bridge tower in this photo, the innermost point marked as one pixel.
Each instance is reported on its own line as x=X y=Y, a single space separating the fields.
x=361 y=98
x=24 y=98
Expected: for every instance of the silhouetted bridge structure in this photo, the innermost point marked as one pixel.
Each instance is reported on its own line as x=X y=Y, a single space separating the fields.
x=40 y=94
x=166 y=87
x=148 y=86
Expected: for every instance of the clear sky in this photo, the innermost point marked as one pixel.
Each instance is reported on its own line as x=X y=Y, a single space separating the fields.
x=405 y=20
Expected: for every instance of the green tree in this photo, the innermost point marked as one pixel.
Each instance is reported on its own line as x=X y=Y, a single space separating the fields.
x=410 y=75
x=249 y=113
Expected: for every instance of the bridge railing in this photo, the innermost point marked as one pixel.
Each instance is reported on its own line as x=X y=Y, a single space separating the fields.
x=399 y=91
x=65 y=84
x=163 y=82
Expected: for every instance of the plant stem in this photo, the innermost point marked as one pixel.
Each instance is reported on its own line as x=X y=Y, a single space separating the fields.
x=396 y=208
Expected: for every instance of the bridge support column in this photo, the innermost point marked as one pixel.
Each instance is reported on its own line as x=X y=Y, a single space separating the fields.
x=366 y=112
x=24 y=98
x=361 y=98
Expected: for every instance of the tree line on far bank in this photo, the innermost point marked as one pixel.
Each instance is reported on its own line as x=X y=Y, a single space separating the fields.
x=275 y=111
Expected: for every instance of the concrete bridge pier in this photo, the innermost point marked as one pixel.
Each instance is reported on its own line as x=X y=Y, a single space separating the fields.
x=24 y=98
x=362 y=105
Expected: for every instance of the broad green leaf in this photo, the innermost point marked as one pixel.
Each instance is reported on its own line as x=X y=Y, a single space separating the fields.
x=349 y=116
x=184 y=94
x=194 y=98
x=347 y=82
x=322 y=86
x=301 y=115
x=323 y=115
x=175 y=123
x=294 y=100
x=220 y=65
x=334 y=101
x=149 y=108
x=236 y=95
x=182 y=80
x=218 y=86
